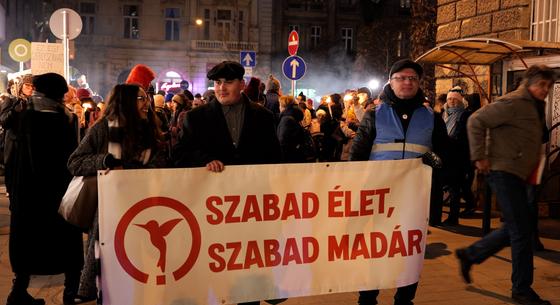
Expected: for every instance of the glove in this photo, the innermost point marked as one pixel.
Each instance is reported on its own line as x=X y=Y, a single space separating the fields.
x=431 y=159
x=111 y=162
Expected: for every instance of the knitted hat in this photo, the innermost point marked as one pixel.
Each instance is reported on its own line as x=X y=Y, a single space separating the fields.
x=83 y=94
x=141 y=75
x=159 y=100
x=168 y=97
x=406 y=63
x=272 y=84
x=52 y=85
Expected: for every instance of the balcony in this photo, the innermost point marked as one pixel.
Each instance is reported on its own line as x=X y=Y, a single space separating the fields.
x=218 y=45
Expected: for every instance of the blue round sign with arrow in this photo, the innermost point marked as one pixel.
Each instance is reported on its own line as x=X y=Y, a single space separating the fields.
x=294 y=67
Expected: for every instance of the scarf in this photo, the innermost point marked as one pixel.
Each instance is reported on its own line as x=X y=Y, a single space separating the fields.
x=116 y=137
x=451 y=117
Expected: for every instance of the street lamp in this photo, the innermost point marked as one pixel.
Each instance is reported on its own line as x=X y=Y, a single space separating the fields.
x=198 y=21
x=373 y=84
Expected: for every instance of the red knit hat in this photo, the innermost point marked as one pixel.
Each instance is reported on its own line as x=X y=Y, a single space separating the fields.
x=83 y=93
x=141 y=75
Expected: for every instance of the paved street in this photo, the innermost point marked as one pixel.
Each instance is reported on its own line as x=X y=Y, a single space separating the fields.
x=440 y=282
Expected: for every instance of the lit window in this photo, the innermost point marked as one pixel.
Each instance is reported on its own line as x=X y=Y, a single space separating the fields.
x=131 y=27
x=405 y=3
x=544 y=20
x=172 y=16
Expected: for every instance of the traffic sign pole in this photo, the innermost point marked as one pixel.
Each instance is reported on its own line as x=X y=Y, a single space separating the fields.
x=71 y=28
x=65 y=45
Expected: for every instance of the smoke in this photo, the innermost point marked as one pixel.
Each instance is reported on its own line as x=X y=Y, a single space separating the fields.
x=328 y=71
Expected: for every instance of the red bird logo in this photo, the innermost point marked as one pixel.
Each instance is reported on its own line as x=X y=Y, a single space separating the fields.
x=157 y=237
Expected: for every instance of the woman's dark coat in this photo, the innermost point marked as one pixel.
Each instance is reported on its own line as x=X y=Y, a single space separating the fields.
x=41 y=241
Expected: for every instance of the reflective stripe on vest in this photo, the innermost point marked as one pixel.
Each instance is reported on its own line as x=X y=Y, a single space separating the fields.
x=390 y=141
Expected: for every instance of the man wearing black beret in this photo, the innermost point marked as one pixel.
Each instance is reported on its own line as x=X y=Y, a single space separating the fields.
x=400 y=127
x=229 y=129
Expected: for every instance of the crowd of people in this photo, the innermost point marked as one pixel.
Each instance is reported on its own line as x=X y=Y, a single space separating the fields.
x=53 y=131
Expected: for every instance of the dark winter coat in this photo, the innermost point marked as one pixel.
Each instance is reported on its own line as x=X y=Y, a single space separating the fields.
x=206 y=137
x=10 y=120
x=90 y=155
x=272 y=103
x=41 y=241
x=291 y=135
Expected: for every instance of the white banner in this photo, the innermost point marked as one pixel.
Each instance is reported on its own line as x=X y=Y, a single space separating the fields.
x=190 y=236
x=46 y=58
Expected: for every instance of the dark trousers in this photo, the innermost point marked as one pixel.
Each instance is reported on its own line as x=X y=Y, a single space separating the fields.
x=466 y=191
x=436 y=198
x=534 y=208
x=517 y=230
x=403 y=296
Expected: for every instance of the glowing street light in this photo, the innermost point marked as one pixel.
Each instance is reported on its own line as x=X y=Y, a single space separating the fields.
x=373 y=84
x=198 y=21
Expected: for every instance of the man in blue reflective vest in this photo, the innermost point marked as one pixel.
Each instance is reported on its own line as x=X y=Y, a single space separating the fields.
x=401 y=127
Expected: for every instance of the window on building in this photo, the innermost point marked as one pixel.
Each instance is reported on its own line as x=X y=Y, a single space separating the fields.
x=347 y=37
x=206 y=24
x=315 y=36
x=172 y=18
x=87 y=13
x=405 y=3
x=224 y=24
x=131 y=24
x=293 y=27
x=544 y=20
x=315 y=5
x=240 y=26
x=295 y=4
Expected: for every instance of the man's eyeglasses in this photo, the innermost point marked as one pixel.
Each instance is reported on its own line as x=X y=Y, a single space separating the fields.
x=401 y=79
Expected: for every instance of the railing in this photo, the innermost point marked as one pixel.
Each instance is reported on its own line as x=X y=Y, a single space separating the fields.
x=218 y=45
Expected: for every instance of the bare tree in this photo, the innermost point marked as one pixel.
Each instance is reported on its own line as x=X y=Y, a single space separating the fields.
x=423 y=29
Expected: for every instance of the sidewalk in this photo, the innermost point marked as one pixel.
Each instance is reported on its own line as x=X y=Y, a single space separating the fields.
x=440 y=282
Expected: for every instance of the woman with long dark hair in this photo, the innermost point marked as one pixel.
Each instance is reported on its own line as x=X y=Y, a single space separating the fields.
x=126 y=137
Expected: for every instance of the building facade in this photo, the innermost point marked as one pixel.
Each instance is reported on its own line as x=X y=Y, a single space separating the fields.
x=536 y=20
x=327 y=42
x=179 y=39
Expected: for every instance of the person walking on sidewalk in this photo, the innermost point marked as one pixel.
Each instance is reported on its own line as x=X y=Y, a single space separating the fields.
x=515 y=126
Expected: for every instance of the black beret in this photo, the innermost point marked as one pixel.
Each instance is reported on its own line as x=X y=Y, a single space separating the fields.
x=226 y=69
x=406 y=63
x=52 y=85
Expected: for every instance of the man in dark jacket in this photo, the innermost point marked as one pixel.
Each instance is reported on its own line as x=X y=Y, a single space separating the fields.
x=230 y=129
x=401 y=127
x=515 y=127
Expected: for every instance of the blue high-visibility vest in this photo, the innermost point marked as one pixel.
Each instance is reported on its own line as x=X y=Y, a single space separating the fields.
x=391 y=143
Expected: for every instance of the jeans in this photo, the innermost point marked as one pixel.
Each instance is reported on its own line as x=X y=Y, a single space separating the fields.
x=517 y=230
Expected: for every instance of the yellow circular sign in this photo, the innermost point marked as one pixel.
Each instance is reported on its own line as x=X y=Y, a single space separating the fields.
x=20 y=50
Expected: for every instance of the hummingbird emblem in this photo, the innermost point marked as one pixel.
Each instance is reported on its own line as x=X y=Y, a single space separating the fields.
x=157 y=237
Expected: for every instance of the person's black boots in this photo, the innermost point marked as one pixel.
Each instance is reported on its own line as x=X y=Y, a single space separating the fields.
x=19 y=295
